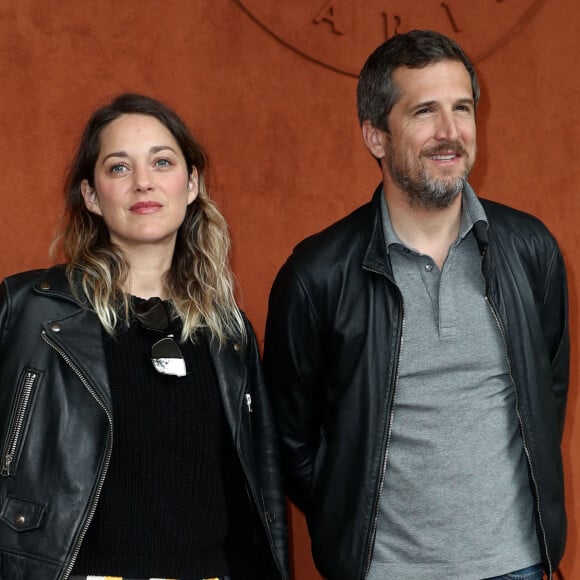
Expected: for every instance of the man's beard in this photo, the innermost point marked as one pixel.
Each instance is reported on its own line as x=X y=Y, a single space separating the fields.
x=423 y=190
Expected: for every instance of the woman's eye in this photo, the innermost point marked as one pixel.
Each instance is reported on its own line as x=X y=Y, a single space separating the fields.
x=118 y=168
x=163 y=162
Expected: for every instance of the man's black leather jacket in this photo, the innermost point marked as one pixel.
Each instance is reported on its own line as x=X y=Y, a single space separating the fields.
x=56 y=426
x=332 y=345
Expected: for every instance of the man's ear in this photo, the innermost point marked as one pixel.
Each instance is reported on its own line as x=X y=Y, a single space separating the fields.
x=90 y=196
x=375 y=140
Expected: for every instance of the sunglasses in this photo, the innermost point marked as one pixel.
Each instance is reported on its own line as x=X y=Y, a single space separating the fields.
x=166 y=355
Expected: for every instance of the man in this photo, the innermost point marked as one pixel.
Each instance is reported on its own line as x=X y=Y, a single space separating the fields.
x=417 y=352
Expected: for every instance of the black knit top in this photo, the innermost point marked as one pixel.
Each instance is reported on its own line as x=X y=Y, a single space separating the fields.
x=162 y=510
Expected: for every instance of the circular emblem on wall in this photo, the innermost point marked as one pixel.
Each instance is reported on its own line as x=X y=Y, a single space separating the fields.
x=340 y=34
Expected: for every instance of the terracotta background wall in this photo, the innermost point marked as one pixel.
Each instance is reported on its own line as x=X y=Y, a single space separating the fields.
x=281 y=128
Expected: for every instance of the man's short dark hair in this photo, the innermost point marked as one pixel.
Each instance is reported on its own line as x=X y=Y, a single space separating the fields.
x=377 y=92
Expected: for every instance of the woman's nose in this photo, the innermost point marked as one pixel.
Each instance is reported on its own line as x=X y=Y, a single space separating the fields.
x=142 y=179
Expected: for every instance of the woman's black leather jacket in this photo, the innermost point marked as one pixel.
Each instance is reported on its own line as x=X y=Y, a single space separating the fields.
x=331 y=359
x=56 y=424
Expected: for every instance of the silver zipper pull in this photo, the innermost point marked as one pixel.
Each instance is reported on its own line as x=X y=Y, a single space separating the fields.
x=6 y=465
x=249 y=402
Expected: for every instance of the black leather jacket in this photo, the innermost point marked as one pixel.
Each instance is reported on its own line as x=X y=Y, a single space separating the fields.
x=56 y=427
x=331 y=354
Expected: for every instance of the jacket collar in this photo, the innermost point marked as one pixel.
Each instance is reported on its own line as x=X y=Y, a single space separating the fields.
x=376 y=257
x=54 y=282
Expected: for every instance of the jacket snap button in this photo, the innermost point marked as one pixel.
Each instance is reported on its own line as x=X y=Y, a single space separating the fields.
x=237 y=346
x=56 y=327
x=20 y=520
x=44 y=285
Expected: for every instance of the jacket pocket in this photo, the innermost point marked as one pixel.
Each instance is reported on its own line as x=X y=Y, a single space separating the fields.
x=21 y=514
x=19 y=420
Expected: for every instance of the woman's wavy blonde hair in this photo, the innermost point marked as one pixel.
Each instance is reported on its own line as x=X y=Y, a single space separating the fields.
x=200 y=281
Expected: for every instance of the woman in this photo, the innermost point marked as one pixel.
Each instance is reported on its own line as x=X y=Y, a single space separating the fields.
x=137 y=441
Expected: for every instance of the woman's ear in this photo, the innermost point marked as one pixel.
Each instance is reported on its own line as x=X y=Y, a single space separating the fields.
x=192 y=186
x=90 y=196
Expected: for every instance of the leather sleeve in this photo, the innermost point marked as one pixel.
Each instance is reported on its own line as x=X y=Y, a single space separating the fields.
x=267 y=454
x=555 y=324
x=292 y=364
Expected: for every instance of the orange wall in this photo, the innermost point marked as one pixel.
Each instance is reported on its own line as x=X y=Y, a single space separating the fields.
x=280 y=129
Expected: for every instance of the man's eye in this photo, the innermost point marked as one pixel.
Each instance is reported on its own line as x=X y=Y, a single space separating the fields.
x=465 y=109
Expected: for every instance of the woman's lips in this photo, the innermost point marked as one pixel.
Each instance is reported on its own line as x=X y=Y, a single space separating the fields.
x=144 y=207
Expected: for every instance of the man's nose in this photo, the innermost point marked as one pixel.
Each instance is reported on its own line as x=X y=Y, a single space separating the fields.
x=447 y=127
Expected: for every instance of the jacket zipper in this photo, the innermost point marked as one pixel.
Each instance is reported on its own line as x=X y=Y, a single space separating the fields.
x=93 y=507
x=13 y=441
x=524 y=441
x=259 y=501
x=373 y=530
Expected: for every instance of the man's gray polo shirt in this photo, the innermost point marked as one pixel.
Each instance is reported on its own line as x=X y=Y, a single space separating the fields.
x=456 y=502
